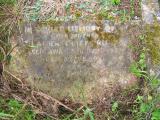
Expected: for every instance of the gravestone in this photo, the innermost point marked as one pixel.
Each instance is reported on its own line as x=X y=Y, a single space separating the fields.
x=75 y=59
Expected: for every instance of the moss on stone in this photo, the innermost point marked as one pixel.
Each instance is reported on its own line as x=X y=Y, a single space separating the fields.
x=110 y=37
x=153 y=42
x=51 y=23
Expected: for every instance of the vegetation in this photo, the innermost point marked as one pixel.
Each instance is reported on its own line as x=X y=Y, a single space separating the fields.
x=7 y=2
x=145 y=100
x=148 y=101
x=13 y=109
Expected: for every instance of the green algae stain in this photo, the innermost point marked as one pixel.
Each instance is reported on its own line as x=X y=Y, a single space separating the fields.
x=51 y=23
x=92 y=42
x=111 y=38
x=153 y=42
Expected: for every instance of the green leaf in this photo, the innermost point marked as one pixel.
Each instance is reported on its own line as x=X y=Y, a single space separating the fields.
x=67 y=6
x=116 y=2
x=142 y=55
x=105 y=3
x=139 y=99
x=14 y=104
x=33 y=46
x=141 y=37
x=135 y=70
x=155 y=82
x=4 y=115
x=141 y=62
x=89 y=113
x=114 y=106
x=144 y=108
x=156 y=114
x=82 y=6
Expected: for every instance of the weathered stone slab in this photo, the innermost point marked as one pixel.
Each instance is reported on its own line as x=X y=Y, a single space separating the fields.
x=75 y=58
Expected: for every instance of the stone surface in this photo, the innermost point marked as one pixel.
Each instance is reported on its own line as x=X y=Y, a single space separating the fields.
x=150 y=8
x=75 y=58
x=151 y=14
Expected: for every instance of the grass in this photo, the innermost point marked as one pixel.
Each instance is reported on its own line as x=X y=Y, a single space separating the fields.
x=16 y=110
x=13 y=109
x=85 y=115
x=10 y=18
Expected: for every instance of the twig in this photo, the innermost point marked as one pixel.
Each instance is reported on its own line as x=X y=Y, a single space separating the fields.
x=35 y=109
x=53 y=99
x=12 y=49
x=35 y=100
x=20 y=111
x=14 y=77
x=76 y=112
x=44 y=113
